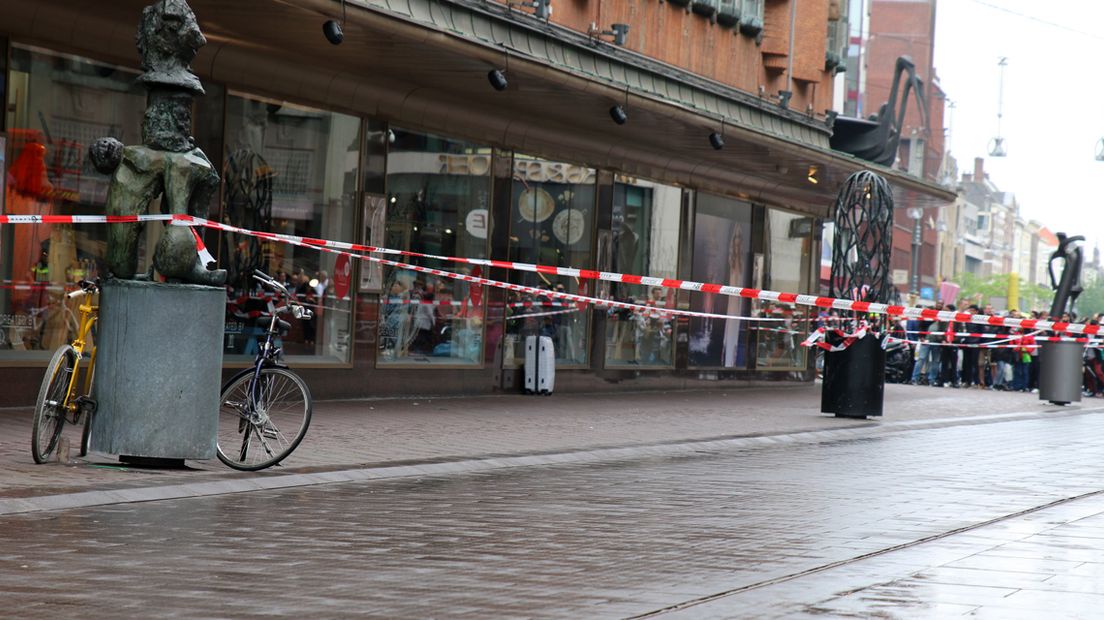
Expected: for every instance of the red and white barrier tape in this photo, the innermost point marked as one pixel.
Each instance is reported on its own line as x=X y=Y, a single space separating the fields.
x=686 y=285
x=817 y=339
x=204 y=256
x=525 y=289
x=1005 y=344
x=539 y=314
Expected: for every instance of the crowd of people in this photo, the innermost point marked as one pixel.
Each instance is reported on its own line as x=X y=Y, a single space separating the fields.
x=950 y=354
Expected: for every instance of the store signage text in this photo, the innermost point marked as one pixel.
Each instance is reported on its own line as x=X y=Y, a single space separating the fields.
x=529 y=170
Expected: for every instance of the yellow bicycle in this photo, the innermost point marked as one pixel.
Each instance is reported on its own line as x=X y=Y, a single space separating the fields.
x=59 y=399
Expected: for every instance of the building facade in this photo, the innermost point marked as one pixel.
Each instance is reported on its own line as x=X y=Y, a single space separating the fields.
x=396 y=138
x=894 y=29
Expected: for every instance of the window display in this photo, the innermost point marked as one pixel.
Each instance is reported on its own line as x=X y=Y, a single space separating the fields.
x=438 y=203
x=789 y=242
x=293 y=170
x=56 y=106
x=645 y=236
x=551 y=223
x=722 y=255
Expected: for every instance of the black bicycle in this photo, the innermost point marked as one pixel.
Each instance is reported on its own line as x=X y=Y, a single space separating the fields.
x=265 y=410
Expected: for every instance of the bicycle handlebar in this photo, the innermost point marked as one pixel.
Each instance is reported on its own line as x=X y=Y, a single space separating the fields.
x=87 y=287
x=302 y=313
x=264 y=278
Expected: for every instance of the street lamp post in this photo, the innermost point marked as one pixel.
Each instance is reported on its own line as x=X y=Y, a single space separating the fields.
x=915 y=213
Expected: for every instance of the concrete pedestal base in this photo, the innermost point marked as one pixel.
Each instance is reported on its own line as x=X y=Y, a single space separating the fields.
x=1060 y=375
x=158 y=370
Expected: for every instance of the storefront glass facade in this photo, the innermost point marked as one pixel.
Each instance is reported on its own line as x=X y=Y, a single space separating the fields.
x=644 y=241
x=56 y=106
x=438 y=202
x=789 y=243
x=722 y=255
x=292 y=170
x=551 y=223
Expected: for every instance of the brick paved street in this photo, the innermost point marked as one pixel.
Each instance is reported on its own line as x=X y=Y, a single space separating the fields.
x=373 y=432
x=777 y=530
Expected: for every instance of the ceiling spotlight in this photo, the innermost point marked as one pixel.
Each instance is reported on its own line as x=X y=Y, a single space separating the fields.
x=332 y=30
x=542 y=9
x=617 y=32
x=813 y=175
x=333 y=33
x=617 y=113
x=498 y=80
x=716 y=140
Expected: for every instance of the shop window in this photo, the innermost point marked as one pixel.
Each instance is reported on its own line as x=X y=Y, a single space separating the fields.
x=438 y=198
x=551 y=223
x=788 y=252
x=56 y=106
x=722 y=255
x=293 y=170
x=644 y=241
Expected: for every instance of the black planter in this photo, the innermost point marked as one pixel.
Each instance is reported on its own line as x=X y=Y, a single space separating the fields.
x=854 y=380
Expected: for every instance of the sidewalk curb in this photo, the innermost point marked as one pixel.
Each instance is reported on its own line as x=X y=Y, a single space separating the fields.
x=465 y=465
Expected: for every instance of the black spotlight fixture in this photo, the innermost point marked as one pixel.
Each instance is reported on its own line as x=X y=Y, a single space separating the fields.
x=617 y=113
x=333 y=33
x=716 y=139
x=498 y=80
x=332 y=30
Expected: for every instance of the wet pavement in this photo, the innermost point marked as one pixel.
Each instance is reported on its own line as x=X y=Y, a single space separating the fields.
x=374 y=433
x=1000 y=519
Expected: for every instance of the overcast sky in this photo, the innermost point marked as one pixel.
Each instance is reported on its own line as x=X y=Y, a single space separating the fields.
x=1053 y=102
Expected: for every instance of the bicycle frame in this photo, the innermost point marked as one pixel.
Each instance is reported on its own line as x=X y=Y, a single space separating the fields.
x=258 y=397
x=88 y=315
x=268 y=355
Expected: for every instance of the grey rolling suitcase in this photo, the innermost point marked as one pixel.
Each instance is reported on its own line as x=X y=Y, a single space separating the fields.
x=540 y=365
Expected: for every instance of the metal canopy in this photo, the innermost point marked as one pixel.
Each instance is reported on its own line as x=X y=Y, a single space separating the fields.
x=428 y=70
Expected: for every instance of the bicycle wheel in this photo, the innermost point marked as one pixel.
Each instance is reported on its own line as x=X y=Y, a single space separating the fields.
x=49 y=414
x=261 y=429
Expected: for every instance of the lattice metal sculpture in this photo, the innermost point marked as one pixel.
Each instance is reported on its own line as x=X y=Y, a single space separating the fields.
x=863 y=216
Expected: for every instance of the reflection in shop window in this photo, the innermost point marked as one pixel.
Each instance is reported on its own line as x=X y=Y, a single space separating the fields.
x=293 y=170
x=789 y=239
x=56 y=106
x=722 y=255
x=645 y=237
x=438 y=203
x=551 y=223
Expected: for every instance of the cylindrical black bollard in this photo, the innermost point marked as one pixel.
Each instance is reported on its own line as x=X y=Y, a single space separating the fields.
x=1060 y=372
x=854 y=379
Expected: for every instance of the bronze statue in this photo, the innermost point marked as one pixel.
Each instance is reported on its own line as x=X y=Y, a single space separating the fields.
x=167 y=163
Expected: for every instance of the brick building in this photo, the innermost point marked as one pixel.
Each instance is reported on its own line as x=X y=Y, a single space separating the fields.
x=578 y=137
x=907 y=28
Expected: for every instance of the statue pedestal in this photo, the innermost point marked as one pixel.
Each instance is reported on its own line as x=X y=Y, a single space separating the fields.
x=158 y=370
x=854 y=380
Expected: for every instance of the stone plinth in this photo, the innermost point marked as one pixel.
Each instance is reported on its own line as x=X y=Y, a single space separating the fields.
x=158 y=370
